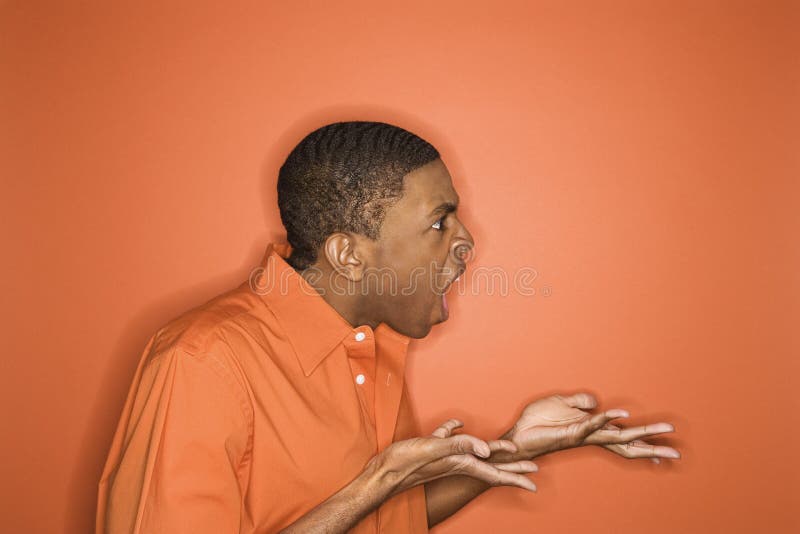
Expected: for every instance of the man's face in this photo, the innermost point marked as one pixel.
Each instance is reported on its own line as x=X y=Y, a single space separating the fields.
x=425 y=246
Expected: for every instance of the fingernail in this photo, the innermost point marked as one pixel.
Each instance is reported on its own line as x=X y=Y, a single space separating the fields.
x=674 y=454
x=482 y=450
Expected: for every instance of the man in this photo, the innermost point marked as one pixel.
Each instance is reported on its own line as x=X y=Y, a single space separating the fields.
x=282 y=406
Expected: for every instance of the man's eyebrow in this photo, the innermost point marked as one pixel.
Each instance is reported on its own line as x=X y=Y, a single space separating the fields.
x=445 y=208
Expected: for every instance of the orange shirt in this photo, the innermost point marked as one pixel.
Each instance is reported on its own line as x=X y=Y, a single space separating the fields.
x=253 y=408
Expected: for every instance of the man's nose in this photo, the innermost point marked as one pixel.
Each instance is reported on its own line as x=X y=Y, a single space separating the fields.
x=462 y=247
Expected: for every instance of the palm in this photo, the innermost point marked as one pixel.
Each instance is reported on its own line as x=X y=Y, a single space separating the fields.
x=550 y=424
x=561 y=422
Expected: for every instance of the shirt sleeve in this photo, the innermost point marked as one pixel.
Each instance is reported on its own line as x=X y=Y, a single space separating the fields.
x=181 y=450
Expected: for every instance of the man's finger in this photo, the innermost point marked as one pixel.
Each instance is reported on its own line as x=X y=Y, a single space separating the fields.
x=445 y=429
x=458 y=444
x=598 y=421
x=584 y=401
x=642 y=449
x=612 y=434
x=502 y=445
x=521 y=466
x=497 y=477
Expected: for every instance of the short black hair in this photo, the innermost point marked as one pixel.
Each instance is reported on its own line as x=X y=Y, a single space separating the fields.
x=341 y=178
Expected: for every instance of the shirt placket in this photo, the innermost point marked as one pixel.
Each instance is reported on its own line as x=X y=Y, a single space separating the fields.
x=360 y=348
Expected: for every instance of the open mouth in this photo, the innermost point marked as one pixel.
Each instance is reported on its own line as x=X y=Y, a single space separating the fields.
x=445 y=308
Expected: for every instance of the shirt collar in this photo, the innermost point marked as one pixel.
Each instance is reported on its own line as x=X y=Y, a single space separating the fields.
x=313 y=326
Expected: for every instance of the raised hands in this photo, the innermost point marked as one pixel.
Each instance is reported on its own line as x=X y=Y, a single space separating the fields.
x=408 y=463
x=562 y=422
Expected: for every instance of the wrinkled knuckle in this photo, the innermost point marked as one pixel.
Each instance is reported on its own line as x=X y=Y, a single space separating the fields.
x=460 y=463
x=461 y=444
x=570 y=437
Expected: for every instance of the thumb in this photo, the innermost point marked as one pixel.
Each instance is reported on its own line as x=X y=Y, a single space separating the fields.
x=464 y=443
x=597 y=421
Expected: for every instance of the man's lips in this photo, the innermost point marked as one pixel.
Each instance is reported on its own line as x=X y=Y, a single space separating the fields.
x=450 y=282
x=445 y=289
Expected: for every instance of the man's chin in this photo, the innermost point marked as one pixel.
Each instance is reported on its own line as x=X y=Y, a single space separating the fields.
x=421 y=332
x=437 y=320
x=414 y=331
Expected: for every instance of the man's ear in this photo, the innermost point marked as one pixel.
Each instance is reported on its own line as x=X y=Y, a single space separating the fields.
x=346 y=255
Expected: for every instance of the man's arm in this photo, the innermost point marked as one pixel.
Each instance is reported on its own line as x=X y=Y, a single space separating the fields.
x=551 y=424
x=345 y=508
x=408 y=463
x=175 y=458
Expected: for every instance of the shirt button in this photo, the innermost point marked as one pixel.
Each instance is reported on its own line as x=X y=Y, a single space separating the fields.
x=360 y=379
x=360 y=336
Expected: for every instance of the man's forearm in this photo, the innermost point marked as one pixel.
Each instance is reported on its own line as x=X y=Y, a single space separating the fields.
x=344 y=509
x=446 y=496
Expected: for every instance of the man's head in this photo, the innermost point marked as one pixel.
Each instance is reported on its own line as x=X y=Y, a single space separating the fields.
x=371 y=207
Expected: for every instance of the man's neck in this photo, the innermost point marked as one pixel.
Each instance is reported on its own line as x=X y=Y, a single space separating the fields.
x=341 y=295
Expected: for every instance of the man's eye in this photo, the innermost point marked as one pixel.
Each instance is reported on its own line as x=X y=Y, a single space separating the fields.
x=438 y=225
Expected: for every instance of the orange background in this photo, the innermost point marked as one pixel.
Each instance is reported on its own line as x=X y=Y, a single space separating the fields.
x=641 y=156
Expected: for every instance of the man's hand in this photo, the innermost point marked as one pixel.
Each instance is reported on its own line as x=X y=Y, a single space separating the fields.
x=408 y=463
x=562 y=422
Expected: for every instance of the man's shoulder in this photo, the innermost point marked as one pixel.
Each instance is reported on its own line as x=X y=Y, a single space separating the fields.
x=207 y=326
